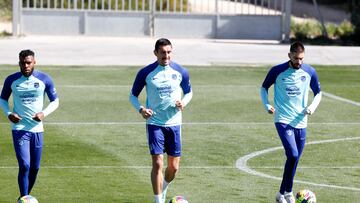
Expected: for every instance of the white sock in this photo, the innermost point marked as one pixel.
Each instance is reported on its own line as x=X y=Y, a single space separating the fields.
x=165 y=185
x=158 y=198
x=164 y=189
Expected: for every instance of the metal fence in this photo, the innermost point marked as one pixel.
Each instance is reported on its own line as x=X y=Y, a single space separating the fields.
x=231 y=7
x=239 y=19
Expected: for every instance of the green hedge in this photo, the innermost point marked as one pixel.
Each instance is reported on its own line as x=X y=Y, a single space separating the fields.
x=311 y=31
x=5 y=9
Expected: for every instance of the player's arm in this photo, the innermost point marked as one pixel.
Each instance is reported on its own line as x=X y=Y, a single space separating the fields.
x=53 y=98
x=268 y=81
x=13 y=117
x=315 y=87
x=4 y=102
x=134 y=100
x=180 y=104
x=48 y=110
x=138 y=85
x=187 y=90
x=265 y=101
x=314 y=104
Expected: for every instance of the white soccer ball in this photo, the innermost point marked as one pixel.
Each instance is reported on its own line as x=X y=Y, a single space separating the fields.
x=178 y=199
x=28 y=199
x=305 y=196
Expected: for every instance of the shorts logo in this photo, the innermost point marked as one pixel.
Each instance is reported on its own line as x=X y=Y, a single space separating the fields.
x=36 y=85
x=21 y=141
x=174 y=76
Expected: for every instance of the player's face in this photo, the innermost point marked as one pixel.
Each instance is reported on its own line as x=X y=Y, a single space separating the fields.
x=163 y=54
x=296 y=59
x=27 y=65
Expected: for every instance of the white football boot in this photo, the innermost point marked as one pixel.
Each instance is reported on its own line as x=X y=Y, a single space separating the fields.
x=280 y=198
x=289 y=197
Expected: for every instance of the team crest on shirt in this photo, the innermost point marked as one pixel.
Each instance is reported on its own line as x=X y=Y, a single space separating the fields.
x=174 y=76
x=36 y=85
x=303 y=78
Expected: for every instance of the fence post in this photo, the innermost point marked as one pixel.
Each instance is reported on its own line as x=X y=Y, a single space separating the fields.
x=286 y=21
x=217 y=19
x=15 y=17
x=152 y=17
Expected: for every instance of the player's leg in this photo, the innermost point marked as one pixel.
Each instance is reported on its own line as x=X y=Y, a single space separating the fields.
x=157 y=176
x=300 y=138
x=172 y=168
x=173 y=150
x=287 y=136
x=36 y=144
x=173 y=164
x=156 y=147
x=21 y=141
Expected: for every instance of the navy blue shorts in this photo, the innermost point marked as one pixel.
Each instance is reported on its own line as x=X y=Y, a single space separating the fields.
x=28 y=146
x=164 y=139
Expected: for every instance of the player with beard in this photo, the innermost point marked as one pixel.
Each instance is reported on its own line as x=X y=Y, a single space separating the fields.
x=292 y=81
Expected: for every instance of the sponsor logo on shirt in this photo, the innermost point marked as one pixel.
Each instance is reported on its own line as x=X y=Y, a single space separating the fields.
x=292 y=91
x=165 y=90
x=27 y=98
x=174 y=76
x=36 y=85
x=303 y=78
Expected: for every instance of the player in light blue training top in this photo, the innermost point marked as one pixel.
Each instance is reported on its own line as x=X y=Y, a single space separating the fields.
x=28 y=88
x=292 y=81
x=168 y=91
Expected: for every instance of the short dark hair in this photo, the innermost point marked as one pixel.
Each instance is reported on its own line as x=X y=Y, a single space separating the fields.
x=297 y=47
x=162 y=42
x=25 y=53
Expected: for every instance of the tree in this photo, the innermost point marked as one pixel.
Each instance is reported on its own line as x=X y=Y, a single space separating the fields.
x=5 y=9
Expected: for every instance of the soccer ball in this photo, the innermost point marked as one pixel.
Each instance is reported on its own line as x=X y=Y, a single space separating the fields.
x=28 y=199
x=178 y=199
x=305 y=196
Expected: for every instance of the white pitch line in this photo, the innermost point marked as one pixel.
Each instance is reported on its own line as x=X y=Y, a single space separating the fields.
x=121 y=167
x=192 y=123
x=241 y=164
x=309 y=167
x=184 y=167
x=341 y=99
x=130 y=86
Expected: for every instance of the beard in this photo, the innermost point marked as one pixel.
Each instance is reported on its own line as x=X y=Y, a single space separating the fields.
x=296 y=66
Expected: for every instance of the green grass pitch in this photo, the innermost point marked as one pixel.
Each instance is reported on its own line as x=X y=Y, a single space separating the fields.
x=96 y=150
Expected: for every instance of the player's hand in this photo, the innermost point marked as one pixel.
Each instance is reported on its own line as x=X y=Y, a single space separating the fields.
x=307 y=111
x=15 y=118
x=179 y=105
x=146 y=113
x=38 y=116
x=271 y=109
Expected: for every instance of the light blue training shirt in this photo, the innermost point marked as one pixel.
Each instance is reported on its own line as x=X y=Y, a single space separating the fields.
x=291 y=90
x=164 y=85
x=28 y=98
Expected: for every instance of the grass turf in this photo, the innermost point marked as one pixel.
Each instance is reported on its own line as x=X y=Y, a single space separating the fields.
x=96 y=151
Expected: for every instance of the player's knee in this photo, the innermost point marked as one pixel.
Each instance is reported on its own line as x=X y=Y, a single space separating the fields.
x=34 y=169
x=24 y=167
x=293 y=157
x=157 y=164
x=174 y=168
